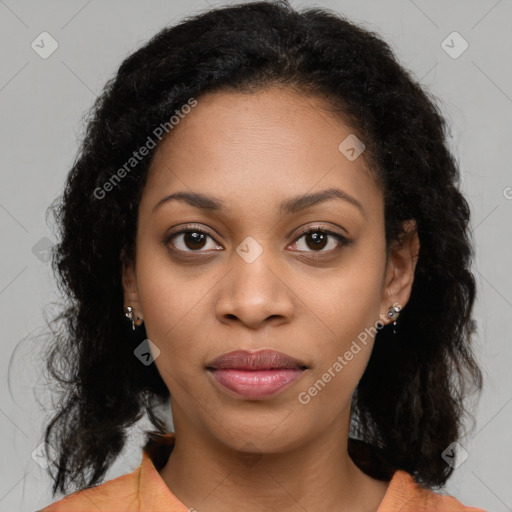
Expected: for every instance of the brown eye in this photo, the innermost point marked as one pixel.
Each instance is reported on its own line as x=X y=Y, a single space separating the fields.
x=191 y=240
x=317 y=239
x=194 y=240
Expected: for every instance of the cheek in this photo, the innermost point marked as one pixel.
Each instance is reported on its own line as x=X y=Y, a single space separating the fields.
x=351 y=301
x=343 y=352
x=165 y=309
x=348 y=311
x=170 y=298
x=175 y=305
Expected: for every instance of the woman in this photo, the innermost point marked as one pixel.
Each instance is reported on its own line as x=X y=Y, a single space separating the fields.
x=263 y=193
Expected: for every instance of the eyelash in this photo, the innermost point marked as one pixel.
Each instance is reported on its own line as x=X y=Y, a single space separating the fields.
x=342 y=241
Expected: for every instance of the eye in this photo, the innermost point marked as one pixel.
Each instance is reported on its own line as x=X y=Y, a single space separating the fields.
x=190 y=240
x=317 y=238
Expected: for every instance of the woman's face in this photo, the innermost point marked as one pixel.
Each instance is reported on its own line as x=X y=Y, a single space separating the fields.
x=253 y=280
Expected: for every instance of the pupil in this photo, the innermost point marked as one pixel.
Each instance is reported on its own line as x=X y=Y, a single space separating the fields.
x=319 y=240
x=192 y=238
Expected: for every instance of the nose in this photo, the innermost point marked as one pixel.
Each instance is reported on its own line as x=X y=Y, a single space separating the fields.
x=255 y=294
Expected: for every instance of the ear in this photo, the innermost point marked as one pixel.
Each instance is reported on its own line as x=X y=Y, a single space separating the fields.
x=400 y=269
x=129 y=281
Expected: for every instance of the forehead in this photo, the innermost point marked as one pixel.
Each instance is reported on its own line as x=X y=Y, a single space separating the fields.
x=258 y=147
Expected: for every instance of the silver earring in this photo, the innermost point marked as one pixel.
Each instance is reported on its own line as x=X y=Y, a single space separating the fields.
x=393 y=313
x=129 y=314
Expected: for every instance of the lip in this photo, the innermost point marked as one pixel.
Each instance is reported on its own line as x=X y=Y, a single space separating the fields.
x=255 y=375
x=265 y=359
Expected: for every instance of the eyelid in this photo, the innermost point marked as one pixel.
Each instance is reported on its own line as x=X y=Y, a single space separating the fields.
x=319 y=227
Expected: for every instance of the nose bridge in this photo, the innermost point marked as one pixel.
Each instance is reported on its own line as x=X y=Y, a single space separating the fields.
x=254 y=290
x=254 y=277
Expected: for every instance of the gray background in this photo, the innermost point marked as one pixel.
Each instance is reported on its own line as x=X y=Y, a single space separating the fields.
x=44 y=100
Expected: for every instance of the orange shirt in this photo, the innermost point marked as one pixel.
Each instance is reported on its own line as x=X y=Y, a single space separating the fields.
x=143 y=490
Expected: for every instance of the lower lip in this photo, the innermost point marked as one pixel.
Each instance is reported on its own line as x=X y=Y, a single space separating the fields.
x=255 y=384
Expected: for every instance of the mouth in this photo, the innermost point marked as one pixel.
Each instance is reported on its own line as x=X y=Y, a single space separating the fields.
x=260 y=360
x=255 y=376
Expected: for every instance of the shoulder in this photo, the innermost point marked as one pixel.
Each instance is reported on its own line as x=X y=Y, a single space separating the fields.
x=141 y=490
x=121 y=493
x=406 y=495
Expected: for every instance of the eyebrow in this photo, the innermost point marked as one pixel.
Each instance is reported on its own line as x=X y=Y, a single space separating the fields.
x=292 y=205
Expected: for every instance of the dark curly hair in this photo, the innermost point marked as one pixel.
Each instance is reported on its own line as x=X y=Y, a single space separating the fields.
x=410 y=402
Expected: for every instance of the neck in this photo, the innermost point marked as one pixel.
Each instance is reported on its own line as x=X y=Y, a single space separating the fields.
x=209 y=476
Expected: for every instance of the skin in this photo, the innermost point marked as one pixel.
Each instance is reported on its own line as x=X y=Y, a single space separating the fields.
x=254 y=151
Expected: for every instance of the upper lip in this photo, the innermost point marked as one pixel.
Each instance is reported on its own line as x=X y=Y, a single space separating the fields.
x=260 y=360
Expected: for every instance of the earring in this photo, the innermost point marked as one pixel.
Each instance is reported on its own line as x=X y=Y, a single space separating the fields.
x=393 y=313
x=129 y=314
